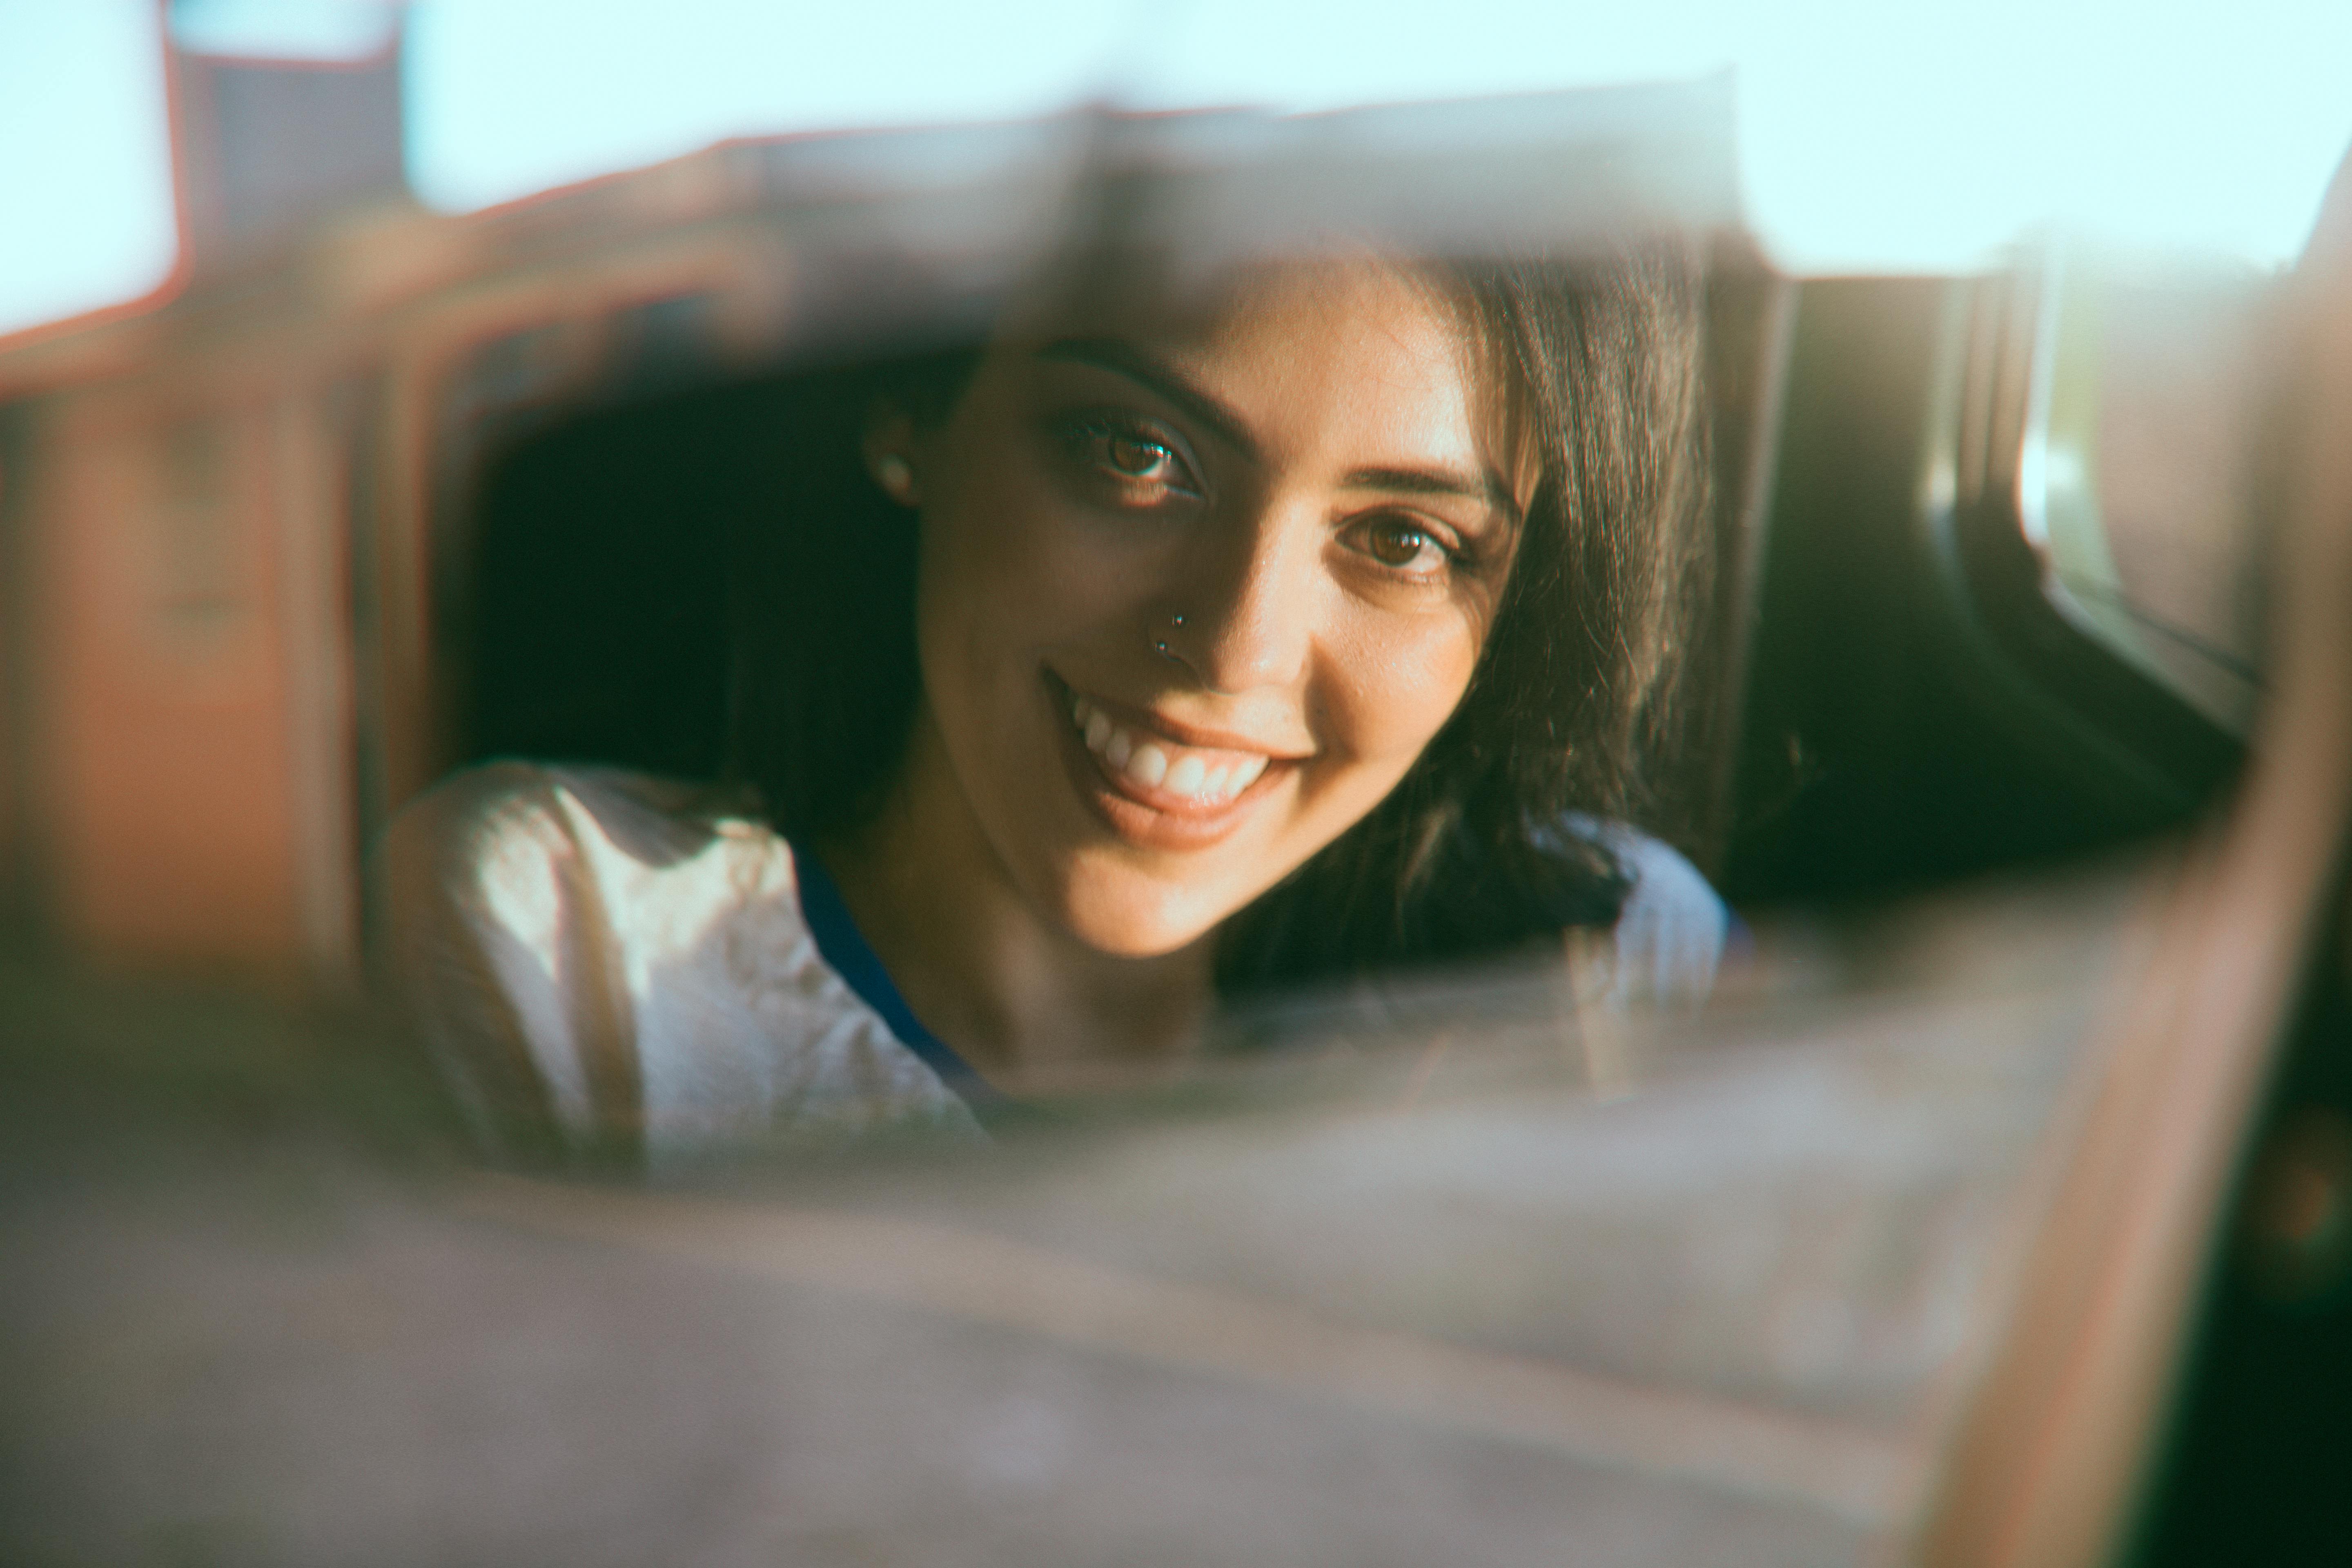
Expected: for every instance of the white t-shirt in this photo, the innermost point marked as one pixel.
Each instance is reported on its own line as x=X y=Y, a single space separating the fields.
x=601 y=959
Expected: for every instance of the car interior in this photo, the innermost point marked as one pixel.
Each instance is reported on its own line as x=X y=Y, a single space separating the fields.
x=1997 y=1210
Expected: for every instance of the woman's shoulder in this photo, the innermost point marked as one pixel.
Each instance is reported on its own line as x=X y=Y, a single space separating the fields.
x=603 y=951
x=498 y=814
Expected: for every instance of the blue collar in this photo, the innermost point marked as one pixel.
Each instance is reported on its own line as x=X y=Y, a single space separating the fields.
x=844 y=946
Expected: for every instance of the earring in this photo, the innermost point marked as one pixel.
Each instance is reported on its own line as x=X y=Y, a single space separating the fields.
x=896 y=478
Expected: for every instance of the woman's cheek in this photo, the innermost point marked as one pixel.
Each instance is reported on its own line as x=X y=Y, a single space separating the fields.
x=984 y=560
x=1401 y=683
x=1022 y=541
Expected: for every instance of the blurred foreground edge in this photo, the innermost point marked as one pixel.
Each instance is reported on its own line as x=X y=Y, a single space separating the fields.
x=2074 y=1450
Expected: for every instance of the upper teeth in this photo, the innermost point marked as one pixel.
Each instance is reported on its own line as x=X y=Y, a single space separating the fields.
x=1161 y=764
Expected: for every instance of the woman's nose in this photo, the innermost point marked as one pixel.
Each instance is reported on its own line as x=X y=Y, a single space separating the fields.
x=1252 y=612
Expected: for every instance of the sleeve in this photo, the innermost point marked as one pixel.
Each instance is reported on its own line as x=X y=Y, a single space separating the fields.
x=494 y=947
x=1670 y=931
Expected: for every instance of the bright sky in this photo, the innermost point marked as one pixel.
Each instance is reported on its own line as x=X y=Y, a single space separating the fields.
x=1901 y=135
x=86 y=212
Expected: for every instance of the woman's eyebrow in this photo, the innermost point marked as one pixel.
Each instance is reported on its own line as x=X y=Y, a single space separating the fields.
x=1140 y=366
x=1487 y=487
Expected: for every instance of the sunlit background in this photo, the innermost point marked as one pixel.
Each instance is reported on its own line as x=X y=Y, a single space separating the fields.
x=1873 y=137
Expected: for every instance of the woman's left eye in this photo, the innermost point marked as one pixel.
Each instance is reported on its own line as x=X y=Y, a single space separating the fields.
x=1404 y=546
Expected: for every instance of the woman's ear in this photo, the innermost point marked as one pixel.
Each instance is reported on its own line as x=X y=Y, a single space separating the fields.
x=889 y=448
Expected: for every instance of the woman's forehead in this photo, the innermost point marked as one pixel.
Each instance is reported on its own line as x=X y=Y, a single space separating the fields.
x=1149 y=294
x=1372 y=309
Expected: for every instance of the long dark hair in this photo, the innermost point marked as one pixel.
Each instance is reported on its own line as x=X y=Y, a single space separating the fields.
x=1578 y=705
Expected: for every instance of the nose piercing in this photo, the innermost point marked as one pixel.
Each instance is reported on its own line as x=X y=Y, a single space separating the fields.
x=1160 y=644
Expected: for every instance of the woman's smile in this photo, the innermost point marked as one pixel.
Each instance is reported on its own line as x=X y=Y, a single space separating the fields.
x=1157 y=782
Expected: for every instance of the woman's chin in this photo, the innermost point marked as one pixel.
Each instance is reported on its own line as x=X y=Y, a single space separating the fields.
x=1124 y=915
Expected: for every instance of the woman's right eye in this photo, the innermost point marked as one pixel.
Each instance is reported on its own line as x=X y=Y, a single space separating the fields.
x=1137 y=460
x=1133 y=458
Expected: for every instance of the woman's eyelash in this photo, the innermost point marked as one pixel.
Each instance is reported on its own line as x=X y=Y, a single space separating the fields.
x=1467 y=555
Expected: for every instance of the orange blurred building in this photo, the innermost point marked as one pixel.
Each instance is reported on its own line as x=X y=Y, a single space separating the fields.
x=224 y=513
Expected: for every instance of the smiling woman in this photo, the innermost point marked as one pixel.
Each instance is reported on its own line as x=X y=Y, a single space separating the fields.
x=1180 y=640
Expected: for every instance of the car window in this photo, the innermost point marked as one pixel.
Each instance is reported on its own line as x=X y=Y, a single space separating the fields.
x=2144 y=452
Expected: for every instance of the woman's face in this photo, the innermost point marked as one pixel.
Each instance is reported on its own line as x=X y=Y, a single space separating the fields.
x=1196 y=588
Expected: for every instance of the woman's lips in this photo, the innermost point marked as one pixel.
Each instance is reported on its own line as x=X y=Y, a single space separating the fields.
x=1154 y=790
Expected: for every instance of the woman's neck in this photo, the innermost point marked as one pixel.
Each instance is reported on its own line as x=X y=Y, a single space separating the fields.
x=1027 y=1005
